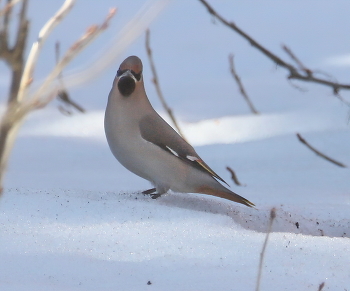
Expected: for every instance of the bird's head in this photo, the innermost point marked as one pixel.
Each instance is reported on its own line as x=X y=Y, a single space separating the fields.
x=129 y=75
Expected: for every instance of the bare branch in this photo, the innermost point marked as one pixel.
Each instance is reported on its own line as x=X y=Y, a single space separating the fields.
x=317 y=152
x=17 y=52
x=262 y=254
x=36 y=48
x=240 y=85
x=8 y=7
x=294 y=73
x=337 y=94
x=63 y=94
x=91 y=33
x=296 y=60
x=16 y=111
x=157 y=86
x=133 y=29
x=233 y=176
x=321 y=286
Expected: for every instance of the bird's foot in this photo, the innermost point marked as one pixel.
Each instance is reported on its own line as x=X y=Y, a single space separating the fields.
x=149 y=191
x=155 y=196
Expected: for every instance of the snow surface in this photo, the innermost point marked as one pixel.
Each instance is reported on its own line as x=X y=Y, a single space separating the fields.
x=72 y=218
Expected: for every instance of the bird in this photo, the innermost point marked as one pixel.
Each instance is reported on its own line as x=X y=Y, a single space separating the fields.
x=144 y=143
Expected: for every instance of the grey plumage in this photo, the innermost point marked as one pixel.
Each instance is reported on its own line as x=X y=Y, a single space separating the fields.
x=149 y=147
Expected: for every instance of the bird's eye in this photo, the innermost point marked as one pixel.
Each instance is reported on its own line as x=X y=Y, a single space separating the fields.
x=137 y=76
x=120 y=72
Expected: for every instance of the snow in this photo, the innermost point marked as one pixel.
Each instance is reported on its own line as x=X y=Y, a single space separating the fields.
x=80 y=240
x=72 y=218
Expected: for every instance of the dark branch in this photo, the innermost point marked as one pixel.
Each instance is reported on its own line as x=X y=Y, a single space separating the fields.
x=240 y=85
x=233 y=176
x=4 y=47
x=13 y=56
x=63 y=94
x=297 y=61
x=156 y=84
x=262 y=254
x=294 y=73
x=317 y=152
x=321 y=286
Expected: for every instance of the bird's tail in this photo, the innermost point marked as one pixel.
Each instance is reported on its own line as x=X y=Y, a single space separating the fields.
x=224 y=193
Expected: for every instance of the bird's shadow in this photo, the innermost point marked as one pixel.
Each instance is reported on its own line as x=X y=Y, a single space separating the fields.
x=287 y=220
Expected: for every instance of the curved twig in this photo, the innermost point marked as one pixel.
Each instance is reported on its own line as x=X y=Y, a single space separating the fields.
x=36 y=48
x=294 y=73
x=156 y=84
x=240 y=85
x=262 y=254
x=317 y=152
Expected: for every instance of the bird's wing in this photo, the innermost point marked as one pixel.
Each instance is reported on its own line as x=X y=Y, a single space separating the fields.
x=155 y=130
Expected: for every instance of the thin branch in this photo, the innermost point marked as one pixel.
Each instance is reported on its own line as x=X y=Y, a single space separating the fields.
x=337 y=94
x=4 y=48
x=128 y=34
x=63 y=94
x=27 y=77
x=8 y=7
x=317 y=152
x=262 y=254
x=16 y=111
x=240 y=85
x=294 y=73
x=233 y=176
x=297 y=61
x=17 y=52
x=157 y=86
x=321 y=286
x=91 y=33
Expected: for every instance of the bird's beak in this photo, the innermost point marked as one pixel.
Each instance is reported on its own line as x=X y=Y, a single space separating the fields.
x=128 y=74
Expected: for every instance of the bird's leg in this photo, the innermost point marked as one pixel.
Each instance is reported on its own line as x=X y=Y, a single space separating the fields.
x=160 y=191
x=149 y=191
x=155 y=196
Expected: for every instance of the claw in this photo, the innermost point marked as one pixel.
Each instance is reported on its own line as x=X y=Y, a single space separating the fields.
x=155 y=196
x=149 y=191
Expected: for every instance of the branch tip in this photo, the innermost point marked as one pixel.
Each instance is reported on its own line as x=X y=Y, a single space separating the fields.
x=302 y=73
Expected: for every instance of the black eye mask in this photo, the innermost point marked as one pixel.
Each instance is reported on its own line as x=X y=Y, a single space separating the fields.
x=137 y=76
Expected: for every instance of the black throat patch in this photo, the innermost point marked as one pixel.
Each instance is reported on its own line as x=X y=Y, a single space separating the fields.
x=126 y=86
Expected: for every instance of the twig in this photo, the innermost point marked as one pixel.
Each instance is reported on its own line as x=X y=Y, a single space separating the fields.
x=262 y=254
x=64 y=97
x=321 y=286
x=91 y=33
x=8 y=7
x=16 y=111
x=13 y=56
x=297 y=61
x=128 y=34
x=294 y=73
x=27 y=76
x=337 y=94
x=63 y=94
x=317 y=152
x=156 y=84
x=240 y=85
x=233 y=176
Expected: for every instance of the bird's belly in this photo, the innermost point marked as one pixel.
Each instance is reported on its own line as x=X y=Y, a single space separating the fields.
x=149 y=161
